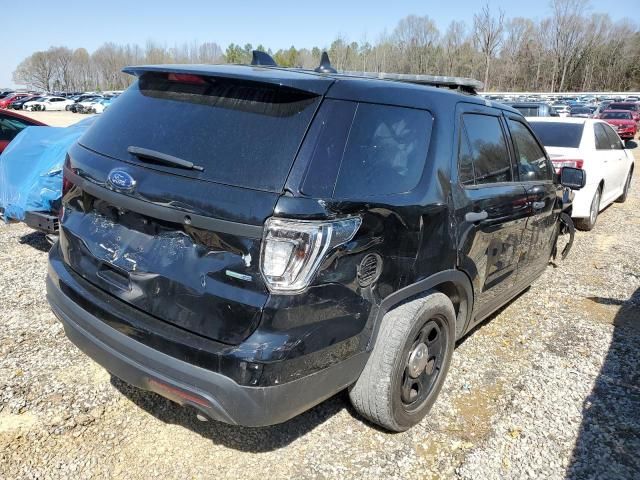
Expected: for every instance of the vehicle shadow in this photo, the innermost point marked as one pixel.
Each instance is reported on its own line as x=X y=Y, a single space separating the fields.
x=36 y=240
x=608 y=444
x=245 y=439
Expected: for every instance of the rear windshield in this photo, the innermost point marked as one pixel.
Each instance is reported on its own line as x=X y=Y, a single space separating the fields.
x=622 y=106
x=557 y=134
x=580 y=110
x=243 y=133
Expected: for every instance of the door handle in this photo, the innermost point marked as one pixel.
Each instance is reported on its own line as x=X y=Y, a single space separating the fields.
x=538 y=205
x=473 y=217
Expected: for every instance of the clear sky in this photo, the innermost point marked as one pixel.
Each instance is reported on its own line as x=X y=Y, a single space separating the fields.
x=275 y=24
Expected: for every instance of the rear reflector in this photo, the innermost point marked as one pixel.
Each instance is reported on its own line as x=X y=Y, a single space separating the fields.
x=177 y=395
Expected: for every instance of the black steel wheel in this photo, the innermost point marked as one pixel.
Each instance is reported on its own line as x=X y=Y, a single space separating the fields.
x=424 y=358
x=408 y=364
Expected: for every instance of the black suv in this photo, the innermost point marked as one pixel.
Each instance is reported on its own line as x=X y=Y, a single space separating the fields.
x=250 y=240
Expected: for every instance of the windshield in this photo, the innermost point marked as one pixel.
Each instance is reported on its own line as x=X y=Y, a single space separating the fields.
x=558 y=134
x=528 y=110
x=580 y=110
x=617 y=115
x=243 y=133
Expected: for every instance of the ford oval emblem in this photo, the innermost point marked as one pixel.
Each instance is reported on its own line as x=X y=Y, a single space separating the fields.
x=121 y=180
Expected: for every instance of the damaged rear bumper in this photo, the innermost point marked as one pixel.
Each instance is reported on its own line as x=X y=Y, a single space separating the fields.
x=42 y=221
x=215 y=395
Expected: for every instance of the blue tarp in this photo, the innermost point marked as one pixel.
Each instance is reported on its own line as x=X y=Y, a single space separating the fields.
x=31 y=168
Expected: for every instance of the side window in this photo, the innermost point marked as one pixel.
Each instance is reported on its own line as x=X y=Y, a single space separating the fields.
x=10 y=127
x=488 y=148
x=602 y=140
x=324 y=145
x=531 y=159
x=465 y=161
x=614 y=139
x=385 y=152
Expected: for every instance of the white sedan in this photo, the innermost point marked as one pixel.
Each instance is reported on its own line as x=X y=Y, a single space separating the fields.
x=48 y=103
x=595 y=147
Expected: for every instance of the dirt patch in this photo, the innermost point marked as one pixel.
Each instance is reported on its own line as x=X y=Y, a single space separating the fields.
x=598 y=310
x=475 y=410
x=11 y=422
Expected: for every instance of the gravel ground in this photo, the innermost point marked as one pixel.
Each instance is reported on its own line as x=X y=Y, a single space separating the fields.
x=547 y=388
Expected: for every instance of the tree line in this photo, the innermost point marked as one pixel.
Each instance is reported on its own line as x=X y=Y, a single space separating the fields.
x=568 y=50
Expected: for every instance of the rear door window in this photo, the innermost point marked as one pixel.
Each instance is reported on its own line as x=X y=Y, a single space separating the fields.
x=488 y=148
x=602 y=140
x=243 y=133
x=614 y=139
x=530 y=158
x=385 y=152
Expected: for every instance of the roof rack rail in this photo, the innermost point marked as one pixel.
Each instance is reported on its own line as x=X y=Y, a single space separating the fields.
x=468 y=85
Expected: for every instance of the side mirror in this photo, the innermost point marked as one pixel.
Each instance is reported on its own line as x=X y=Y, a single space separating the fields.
x=573 y=178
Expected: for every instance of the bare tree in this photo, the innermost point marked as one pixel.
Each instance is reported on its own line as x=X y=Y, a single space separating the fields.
x=569 y=36
x=36 y=70
x=487 y=32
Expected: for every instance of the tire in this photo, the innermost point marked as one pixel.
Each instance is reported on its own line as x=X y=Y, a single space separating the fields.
x=587 y=224
x=627 y=185
x=386 y=393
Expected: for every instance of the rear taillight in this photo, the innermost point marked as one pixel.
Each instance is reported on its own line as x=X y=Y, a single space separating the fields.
x=559 y=164
x=292 y=250
x=186 y=78
x=66 y=184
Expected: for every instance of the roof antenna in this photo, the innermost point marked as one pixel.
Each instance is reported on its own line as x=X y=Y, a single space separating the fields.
x=262 y=59
x=325 y=65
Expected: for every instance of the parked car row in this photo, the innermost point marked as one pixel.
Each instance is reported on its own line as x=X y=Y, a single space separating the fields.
x=83 y=103
x=92 y=104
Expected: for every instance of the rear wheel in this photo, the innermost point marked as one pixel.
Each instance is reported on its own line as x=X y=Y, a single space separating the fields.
x=627 y=184
x=408 y=364
x=588 y=223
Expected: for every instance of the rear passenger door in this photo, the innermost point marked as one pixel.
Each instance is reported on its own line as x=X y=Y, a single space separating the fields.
x=535 y=171
x=619 y=162
x=606 y=161
x=490 y=206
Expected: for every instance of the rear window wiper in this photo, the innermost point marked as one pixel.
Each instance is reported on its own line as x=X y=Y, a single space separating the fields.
x=159 y=157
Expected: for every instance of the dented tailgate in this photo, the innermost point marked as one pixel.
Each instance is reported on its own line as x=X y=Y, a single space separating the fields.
x=174 y=259
x=165 y=197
